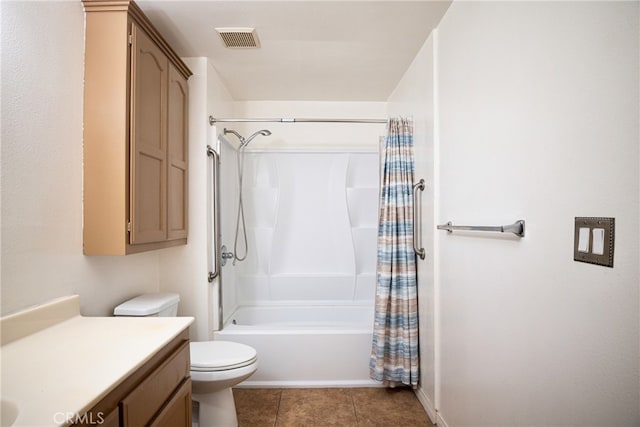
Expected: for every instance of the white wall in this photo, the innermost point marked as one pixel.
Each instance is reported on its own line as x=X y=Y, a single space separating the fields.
x=414 y=96
x=539 y=116
x=42 y=91
x=184 y=269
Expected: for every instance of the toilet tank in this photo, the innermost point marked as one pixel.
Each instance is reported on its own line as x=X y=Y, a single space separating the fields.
x=149 y=305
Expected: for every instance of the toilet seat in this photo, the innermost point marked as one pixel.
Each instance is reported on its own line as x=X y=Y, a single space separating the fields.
x=213 y=356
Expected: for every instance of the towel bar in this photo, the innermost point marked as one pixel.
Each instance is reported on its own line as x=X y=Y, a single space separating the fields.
x=516 y=228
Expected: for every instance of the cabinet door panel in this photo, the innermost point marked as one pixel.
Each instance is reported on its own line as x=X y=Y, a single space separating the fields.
x=148 y=398
x=149 y=214
x=177 y=412
x=178 y=154
x=148 y=140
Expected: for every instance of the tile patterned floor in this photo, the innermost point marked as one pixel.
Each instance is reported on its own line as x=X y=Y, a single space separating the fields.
x=340 y=407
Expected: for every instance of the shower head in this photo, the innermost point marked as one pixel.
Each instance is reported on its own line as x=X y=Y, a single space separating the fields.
x=263 y=132
x=244 y=142
x=226 y=131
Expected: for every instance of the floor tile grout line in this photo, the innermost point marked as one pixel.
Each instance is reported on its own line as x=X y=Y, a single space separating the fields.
x=353 y=404
x=275 y=421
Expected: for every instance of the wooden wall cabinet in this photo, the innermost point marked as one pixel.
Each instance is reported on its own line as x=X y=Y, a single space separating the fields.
x=157 y=394
x=135 y=134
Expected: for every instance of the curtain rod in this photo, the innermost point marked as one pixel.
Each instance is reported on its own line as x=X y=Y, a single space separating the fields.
x=213 y=120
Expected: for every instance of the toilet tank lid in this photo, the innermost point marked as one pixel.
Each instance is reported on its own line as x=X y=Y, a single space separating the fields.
x=146 y=304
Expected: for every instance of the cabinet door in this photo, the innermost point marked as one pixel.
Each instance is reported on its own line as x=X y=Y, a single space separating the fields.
x=151 y=395
x=177 y=412
x=148 y=140
x=178 y=154
x=111 y=420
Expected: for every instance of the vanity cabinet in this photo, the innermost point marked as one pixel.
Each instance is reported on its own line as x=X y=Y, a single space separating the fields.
x=157 y=394
x=135 y=134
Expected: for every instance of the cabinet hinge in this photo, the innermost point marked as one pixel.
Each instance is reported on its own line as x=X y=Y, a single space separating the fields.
x=130 y=38
x=129 y=226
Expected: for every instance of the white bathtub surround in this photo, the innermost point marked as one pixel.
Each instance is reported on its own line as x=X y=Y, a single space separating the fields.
x=311 y=222
x=294 y=316
x=90 y=356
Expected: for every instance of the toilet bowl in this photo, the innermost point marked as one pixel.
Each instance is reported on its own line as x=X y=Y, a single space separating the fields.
x=216 y=366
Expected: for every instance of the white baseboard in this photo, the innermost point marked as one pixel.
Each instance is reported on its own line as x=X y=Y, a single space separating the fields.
x=427 y=404
x=440 y=421
x=429 y=407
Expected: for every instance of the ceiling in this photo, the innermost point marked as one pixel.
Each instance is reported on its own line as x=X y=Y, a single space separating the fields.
x=311 y=50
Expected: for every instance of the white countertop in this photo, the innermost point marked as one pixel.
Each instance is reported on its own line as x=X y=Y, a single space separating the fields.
x=68 y=367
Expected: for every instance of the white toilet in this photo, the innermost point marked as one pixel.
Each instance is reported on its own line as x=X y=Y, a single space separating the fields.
x=216 y=366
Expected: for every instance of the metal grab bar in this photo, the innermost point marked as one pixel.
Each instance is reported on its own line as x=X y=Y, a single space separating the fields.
x=215 y=183
x=417 y=219
x=516 y=228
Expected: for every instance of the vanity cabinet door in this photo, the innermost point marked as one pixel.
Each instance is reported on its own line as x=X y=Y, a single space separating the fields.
x=111 y=420
x=154 y=394
x=178 y=409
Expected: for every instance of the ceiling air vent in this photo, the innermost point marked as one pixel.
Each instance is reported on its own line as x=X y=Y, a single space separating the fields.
x=239 y=38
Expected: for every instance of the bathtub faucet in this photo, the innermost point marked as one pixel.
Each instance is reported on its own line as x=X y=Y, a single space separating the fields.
x=226 y=255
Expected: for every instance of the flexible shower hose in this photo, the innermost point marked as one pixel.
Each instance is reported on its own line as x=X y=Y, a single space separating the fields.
x=240 y=164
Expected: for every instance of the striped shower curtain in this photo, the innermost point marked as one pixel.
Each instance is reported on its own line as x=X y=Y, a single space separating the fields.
x=394 y=353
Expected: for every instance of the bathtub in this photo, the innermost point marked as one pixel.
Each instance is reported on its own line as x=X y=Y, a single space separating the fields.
x=308 y=346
